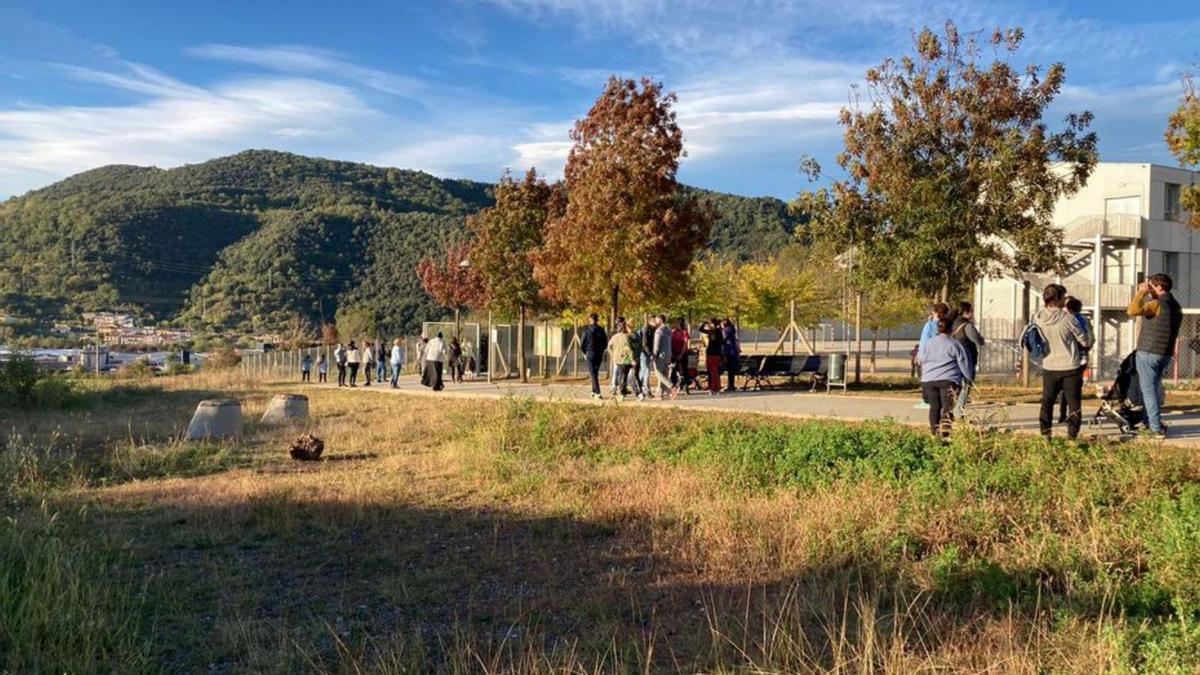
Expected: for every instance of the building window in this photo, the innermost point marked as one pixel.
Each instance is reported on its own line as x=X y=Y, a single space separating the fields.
x=1171 y=265
x=1171 y=208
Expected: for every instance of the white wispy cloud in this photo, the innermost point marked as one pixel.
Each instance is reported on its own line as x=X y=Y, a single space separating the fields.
x=300 y=59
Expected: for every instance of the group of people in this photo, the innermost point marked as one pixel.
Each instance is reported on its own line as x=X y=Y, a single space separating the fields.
x=948 y=354
x=351 y=359
x=635 y=354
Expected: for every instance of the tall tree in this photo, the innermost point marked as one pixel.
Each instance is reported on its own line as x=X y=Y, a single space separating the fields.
x=949 y=160
x=453 y=282
x=1183 y=137
x=628 y=231
x=505 y=237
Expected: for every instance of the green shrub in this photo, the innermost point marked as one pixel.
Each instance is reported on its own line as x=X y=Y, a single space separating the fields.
x=24 y=385
x=19 y=375
x=138 y=369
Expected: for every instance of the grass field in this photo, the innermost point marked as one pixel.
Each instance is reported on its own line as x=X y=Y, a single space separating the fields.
x=447 y=535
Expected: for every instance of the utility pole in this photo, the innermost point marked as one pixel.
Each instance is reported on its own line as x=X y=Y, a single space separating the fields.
x=858 y=337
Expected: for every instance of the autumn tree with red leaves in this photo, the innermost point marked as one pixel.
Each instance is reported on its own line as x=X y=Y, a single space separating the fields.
x=453 y=282
x=627 y=233
x=506 y=236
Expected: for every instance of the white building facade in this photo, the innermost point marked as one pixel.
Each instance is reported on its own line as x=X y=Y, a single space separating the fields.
x=1122 y=226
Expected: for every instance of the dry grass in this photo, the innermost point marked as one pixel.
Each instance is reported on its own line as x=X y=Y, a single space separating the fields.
x=506 y=536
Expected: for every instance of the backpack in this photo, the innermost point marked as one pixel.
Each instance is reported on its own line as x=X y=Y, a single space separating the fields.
x=1035 y=343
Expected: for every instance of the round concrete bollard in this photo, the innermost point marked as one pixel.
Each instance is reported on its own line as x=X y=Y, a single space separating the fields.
x=219 y=418
x=286 y=408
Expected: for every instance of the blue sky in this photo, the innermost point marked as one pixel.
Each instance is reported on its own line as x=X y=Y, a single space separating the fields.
x=467 y=88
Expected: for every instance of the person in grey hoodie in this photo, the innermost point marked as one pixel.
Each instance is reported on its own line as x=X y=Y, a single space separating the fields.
x=945 y=366
x=1065 y=360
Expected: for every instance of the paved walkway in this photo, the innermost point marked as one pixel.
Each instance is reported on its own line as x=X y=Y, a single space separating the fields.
x=1184 y=426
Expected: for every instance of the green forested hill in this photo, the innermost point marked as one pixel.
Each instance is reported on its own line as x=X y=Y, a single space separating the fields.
x=247 y=241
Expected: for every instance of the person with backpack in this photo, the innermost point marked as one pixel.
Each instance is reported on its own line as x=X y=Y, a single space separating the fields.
x=963 y=329
x=593 y=345
x=1065 y=345
x=944 y=369
x=1162 y=318
x=1075 y=308
x=342 y=358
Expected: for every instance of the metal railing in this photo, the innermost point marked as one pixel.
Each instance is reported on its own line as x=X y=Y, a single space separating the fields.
x=1115 y=225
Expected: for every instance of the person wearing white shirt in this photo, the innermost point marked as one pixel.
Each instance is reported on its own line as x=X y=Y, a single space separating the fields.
x=435 y=356
x=353 y=360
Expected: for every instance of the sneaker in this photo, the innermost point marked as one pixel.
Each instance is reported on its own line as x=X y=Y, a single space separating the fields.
x=1154 y=435
x=598 y=397
x=641 y=397
x=921 y=406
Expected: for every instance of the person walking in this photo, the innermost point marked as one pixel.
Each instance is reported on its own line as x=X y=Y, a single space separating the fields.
x=368 y=359
x=422 y=345
x=1062 y=367
x=963 y=329
x=646 y=354
x=306 y=363
x=381 y=360
x=341 y=355
x=397 y=361
x=714 y=349
x=455 y=358
x=732 y=352
x=661 y=346
x=1162 y=318
x=928 y=332
x=1074 y=307
x=613 y=390
x=435 y=356
x=680 y=341
x=322 y=369
x=621 y=353
x=944 y=367
x=593 y=345
x=353 y=361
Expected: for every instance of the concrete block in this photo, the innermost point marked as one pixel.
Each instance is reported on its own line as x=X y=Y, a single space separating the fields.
x=286 y=408
x=215 y=419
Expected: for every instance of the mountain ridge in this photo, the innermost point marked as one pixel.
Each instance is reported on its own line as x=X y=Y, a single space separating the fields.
x=248 y=240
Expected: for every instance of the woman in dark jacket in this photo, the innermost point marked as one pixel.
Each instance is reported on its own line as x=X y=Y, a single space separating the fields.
x=732 y=352
x=714 y=350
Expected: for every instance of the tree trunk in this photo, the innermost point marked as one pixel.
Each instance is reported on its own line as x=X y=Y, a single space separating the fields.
x=616 y=297
x=874 y=345
x=457 y=331
x=521 y=345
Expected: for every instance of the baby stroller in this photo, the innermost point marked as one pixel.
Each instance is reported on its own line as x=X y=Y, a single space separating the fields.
x=1122 y=403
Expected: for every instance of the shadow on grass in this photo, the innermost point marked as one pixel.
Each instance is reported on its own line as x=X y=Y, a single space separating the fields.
x=282 y=581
